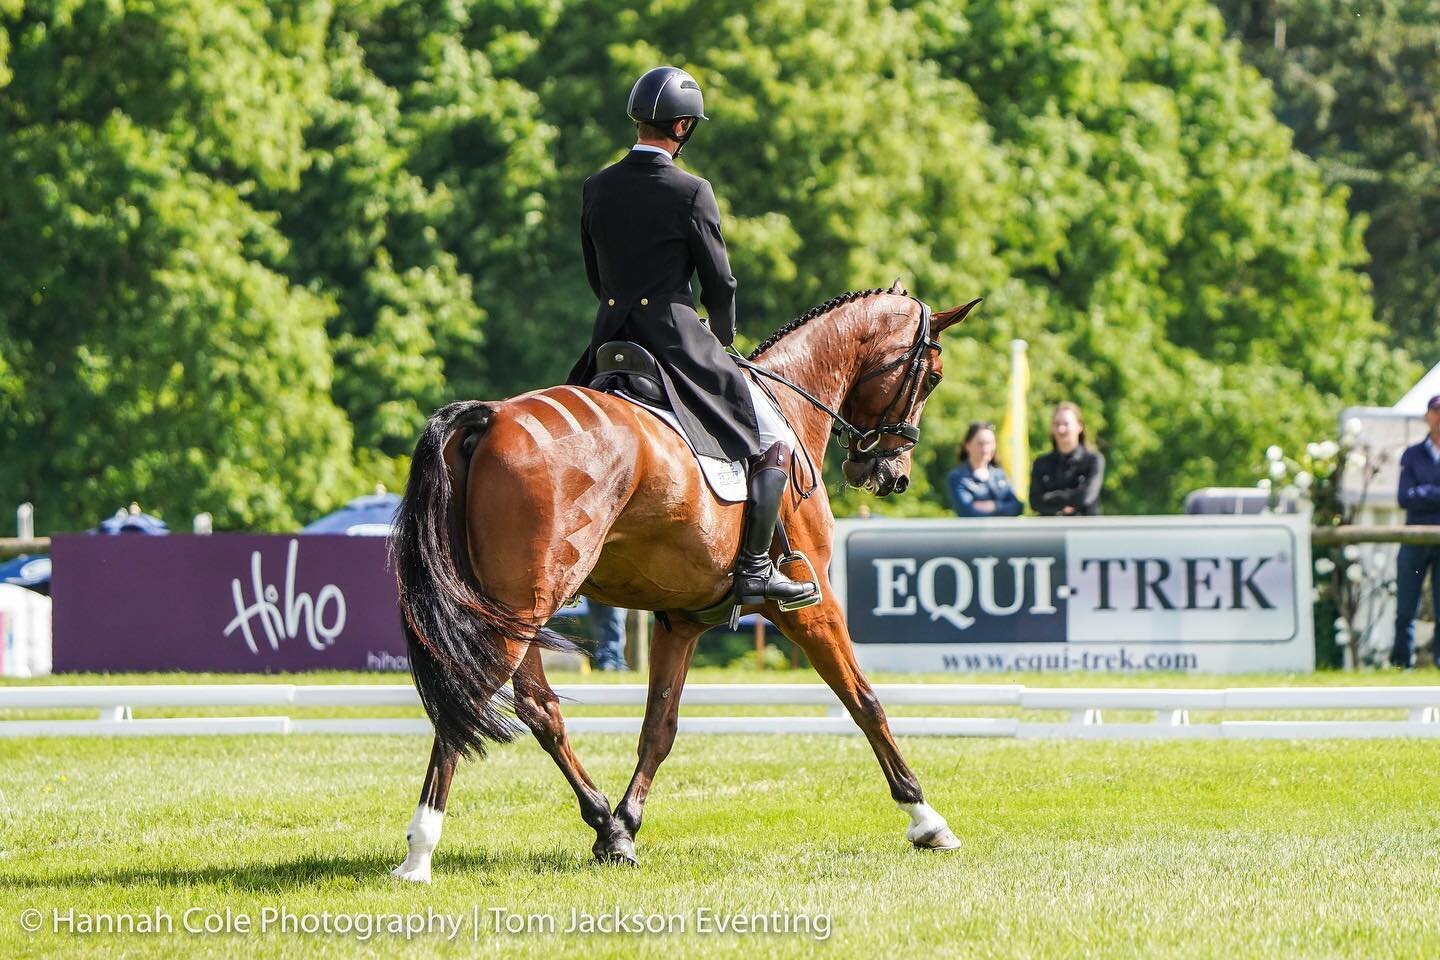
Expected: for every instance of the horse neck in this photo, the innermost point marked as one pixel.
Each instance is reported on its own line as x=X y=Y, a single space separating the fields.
x=825 y=356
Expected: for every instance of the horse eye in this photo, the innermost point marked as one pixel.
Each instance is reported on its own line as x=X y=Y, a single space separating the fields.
x=931 y=382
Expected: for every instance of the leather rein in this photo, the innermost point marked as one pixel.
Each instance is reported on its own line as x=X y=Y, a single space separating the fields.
x=868 y=441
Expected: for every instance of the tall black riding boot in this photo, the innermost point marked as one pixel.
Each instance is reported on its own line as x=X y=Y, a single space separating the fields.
x=757 y=579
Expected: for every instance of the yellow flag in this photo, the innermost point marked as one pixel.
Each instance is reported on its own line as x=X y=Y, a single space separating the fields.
x=1014 y=441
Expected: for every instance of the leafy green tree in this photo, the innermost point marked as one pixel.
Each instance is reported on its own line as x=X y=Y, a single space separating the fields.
x=1109 y=174
x=152 y=351
x=1357 y=84
x=249 y=246
x=1195 y=275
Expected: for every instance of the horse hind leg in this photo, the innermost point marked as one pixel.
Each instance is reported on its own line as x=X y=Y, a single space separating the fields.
x=423 y=833
x=671 y=650
x=537 y=704
x=480 y=574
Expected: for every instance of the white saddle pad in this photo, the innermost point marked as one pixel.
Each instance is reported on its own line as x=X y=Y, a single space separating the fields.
x=726 y=478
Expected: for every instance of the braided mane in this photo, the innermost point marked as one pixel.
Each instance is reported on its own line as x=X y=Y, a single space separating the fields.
x=811 y=314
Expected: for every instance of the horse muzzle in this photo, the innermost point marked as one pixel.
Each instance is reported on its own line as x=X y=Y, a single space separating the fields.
x=875 y=473
x=858 y=472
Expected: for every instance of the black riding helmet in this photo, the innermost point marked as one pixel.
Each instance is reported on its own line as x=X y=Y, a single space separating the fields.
x=664 y=95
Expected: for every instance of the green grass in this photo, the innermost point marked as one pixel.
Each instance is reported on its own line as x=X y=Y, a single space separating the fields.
x=1230 y=849
x=1070 y=848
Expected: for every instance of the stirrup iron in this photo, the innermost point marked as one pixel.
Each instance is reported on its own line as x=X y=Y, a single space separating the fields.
x=796 y=556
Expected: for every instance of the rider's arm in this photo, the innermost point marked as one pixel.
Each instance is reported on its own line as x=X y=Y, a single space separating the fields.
x=707 y=249
x=592 y=268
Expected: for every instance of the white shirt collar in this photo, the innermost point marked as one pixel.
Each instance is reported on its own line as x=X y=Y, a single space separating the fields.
x=647 y=147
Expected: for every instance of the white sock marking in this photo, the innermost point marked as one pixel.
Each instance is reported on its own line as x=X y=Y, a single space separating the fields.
x=421 y=836
x=927 y=827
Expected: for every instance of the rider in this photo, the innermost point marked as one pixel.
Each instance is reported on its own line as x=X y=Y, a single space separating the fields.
x=645 y=227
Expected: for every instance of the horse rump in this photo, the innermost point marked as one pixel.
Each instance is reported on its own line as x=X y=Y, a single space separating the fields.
x=457 y=635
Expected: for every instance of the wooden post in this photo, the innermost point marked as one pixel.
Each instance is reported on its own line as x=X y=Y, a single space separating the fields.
x=1356 y=533
x=12 y=546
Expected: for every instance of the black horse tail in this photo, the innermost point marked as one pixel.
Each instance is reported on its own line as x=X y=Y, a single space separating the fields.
x=456 y=633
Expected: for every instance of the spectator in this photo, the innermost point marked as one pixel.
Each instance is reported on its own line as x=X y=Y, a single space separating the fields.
x=978 y=487
x=1067 y=480
x=1419 y=495
x=607 y=627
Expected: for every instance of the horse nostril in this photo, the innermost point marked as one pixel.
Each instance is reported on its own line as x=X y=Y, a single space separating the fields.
x=902 y=483
x=856 y=470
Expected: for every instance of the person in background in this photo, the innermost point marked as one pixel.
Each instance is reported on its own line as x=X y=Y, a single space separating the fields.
x=1066 y=481
x=978 y=487
x=1419 y=496
x=607 y=627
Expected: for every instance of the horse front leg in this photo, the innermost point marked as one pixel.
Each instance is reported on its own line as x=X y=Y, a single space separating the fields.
x=822 y=634
x=537 y=704
x=424 y=831
x=671 y=649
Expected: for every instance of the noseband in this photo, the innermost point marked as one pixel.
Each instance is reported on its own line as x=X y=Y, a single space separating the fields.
x=868 y=441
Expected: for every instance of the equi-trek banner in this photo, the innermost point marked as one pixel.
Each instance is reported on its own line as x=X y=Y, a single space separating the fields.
x=1195 y=594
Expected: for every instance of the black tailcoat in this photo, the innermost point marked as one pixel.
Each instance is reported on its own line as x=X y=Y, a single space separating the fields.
x=646 y=226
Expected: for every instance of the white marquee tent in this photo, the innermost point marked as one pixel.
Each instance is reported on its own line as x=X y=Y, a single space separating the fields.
x=1414 y=401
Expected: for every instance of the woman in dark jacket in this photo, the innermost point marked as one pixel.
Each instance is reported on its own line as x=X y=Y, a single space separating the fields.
x=978 y=487
x=1067 y=480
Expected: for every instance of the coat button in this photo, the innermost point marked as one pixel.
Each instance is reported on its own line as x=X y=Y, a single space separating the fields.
x=644 y=302
x=611 y=301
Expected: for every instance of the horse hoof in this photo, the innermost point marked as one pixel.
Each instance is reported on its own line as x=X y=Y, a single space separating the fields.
x=942 y=839
x=620 y=850
x=419 y=874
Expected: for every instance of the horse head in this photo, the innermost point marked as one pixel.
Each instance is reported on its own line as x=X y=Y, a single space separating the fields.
x=886 y=400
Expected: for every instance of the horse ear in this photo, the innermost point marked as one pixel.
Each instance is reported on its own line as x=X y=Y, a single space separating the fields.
x=954 y=316
x=897 y=288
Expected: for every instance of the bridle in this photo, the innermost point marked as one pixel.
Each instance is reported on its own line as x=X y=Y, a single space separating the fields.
x=867 y=442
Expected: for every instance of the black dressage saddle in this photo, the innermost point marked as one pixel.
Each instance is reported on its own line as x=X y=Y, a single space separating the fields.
x=622 y=365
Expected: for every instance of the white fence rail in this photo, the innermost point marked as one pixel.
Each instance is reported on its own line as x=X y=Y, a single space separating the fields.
x=1086 y=709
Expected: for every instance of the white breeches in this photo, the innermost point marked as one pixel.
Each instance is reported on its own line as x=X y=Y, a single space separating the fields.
x=773 y=427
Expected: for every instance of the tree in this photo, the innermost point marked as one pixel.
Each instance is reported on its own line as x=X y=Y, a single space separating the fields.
x=1357 y=84
x=151 y=349
x=1193 y=274
x=377 y=204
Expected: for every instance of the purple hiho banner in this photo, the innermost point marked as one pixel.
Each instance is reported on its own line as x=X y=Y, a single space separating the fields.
x=226 y=603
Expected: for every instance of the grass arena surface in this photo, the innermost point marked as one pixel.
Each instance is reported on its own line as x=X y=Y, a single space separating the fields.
x=1193 y=849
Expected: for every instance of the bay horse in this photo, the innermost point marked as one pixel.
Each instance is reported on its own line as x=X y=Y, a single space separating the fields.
x=513 y=507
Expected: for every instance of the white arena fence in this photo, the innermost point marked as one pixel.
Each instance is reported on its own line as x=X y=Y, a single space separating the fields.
x=1086 y=709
